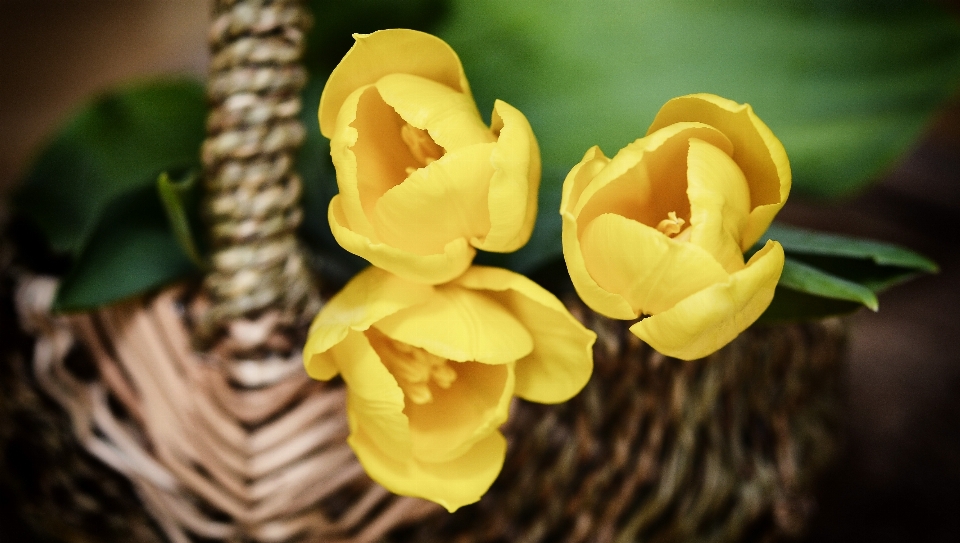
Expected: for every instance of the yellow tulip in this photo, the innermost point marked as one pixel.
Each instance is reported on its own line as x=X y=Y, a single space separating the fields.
x=423 y=181
x=430 y=372
x=658 y=231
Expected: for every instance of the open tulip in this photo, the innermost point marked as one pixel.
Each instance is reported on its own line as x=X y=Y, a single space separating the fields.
x=430 y=372
x=658 y=232
x=423 y=181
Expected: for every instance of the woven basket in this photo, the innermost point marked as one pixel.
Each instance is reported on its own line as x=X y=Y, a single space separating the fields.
x=196 y=395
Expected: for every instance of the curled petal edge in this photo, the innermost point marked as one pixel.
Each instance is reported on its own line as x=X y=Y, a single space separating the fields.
x=448 y=115
x=451 y=484
x=385 y=52
x=513 y=189
x=427 y=269
x=562 y=359
x=342 y=141
x=370 y=296
x=375 y=401
x=580 y=177
x=708 y=320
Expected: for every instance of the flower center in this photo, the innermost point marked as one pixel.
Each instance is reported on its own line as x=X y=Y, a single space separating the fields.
x=421 y=145
x=415 y=369
x=672 y=225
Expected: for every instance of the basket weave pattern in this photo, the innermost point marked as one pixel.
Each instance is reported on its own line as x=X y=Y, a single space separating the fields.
x=207 y=457
x=653 y=449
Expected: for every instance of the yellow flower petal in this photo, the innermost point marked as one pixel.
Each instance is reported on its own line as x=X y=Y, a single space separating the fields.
x=647 y=179
x=651 y=271
x=450 y=117
x=562 y=358
x=580 y=176
x=381 y=171
x=372 y=157
x=462 y=325
x=513 y=188
x=607 y=303
x=451 y=484
x=602 y=301
x=439 y=203
x=370 y=296
x=706 y=321
x=623 y=164
x=757 y=151
x=375 y=402
x=719 y=203
x=431 y=269
x=381 y=53
x=475 y=405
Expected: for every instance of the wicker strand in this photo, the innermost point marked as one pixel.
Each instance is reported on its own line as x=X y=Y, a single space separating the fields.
x=208 y=457
x=252 y=189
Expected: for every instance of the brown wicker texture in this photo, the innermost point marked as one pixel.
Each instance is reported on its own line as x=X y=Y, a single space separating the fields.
x=207 y=456
x=51 y=489
x=653 y=449
x=252 y=192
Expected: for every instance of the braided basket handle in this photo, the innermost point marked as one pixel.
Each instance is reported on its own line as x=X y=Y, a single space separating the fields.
x=252 y=191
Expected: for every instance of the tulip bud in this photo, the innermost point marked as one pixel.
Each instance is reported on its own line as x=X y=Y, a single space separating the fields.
x=423 y=181
x=658 y=232
x=431 y=370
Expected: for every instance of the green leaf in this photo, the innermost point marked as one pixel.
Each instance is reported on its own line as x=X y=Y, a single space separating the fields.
x=873 y=264
x=808 y=242
x=793 y=305
x=180 y=195
x=805 y=278
x=121 y=141
x=827 y=274
x=131 y=250
x=846 y=85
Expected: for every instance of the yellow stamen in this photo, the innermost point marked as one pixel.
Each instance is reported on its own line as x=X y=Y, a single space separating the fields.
x=414 y=368
x=421 y=145
x=672 y=225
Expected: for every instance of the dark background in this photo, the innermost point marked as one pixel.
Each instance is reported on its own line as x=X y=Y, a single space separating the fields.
x=899 y=477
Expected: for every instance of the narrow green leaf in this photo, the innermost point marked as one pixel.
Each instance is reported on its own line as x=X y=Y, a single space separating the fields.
x=805 y=278
x=827 y=274
x=793 y=305
x=180 y=198
x=808 y=242
x=121 y=140
x=130 y=251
